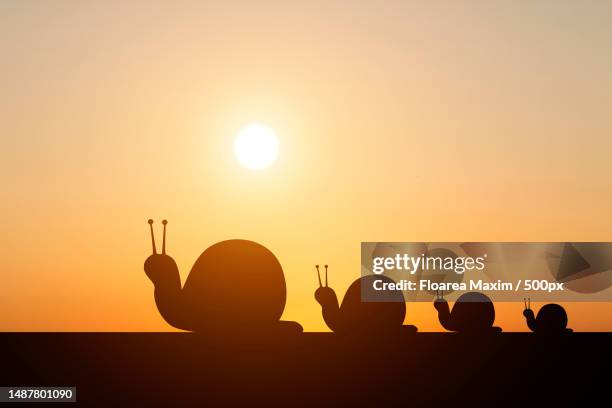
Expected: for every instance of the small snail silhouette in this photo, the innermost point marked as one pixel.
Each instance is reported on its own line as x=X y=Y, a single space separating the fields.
x=551 y=319
x=354 y=315
x=473 y=312
x=234 y=286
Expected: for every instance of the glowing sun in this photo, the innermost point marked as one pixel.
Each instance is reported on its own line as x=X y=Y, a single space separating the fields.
x=256 y=146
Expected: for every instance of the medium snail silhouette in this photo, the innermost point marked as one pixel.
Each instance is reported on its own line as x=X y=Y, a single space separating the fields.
x=354 y=315
x=473 y=312
x=234 y=286
x=551 y=319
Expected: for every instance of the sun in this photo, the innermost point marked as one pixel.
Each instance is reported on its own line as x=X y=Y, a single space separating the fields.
x=256 y=146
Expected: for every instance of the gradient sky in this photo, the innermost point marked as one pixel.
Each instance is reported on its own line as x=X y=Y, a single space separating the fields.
x=398 y=121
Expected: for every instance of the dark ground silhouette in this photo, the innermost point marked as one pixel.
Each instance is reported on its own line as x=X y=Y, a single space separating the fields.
x=313 y=369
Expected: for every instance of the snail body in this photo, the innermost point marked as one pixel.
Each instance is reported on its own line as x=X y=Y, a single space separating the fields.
x=551 y=319
x=473 y=312
x=356 y=315
x=234 y=286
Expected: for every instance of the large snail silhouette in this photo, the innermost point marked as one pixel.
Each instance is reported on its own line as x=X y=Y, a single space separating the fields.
x=357 y=316
x=551 y=319
x=473 y=312
x=235 y=286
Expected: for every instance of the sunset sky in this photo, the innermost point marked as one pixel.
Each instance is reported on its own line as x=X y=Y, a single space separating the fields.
x=397 y=121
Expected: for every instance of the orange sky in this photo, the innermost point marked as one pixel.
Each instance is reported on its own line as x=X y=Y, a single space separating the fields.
x=441 y=121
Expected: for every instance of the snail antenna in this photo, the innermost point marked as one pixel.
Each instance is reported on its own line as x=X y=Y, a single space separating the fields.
x=325 y=275
x=529 y=303
x=164 y=240
x=152 y=237
x=319 y=276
